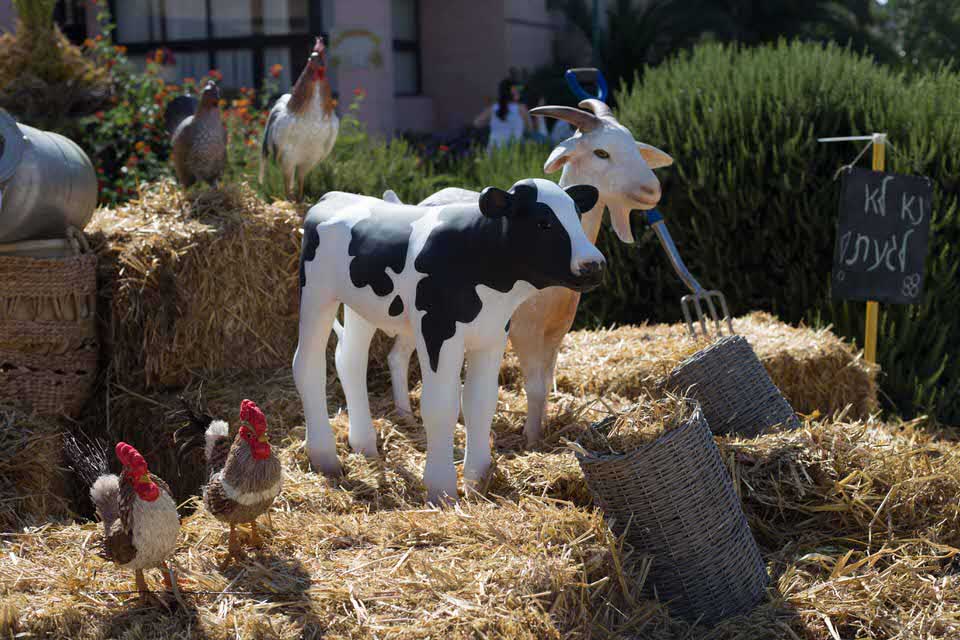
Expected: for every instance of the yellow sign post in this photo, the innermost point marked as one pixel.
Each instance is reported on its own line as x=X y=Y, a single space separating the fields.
x=873 y=308
x=879 y=143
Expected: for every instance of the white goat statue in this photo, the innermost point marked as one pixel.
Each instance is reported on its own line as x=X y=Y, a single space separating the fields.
x=601 y=153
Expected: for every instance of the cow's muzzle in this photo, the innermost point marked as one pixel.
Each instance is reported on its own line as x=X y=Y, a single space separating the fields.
x=590 y=276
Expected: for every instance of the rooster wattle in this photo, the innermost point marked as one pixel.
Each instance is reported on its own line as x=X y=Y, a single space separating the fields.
x=140 y=520
x=302 y=126
x=244 y=474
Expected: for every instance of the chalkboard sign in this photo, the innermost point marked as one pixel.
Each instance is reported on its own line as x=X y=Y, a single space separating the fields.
x=882 y=237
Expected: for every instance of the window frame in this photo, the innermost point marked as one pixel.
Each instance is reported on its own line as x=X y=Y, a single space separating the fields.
x=257 y=43
x=411 y=46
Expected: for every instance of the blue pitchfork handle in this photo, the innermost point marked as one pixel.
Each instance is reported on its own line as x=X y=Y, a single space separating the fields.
x=587 y=72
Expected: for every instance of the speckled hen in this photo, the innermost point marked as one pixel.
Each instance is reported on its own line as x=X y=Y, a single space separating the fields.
x=244 y=474
x=139 y=515
x=302 y=126
x=199 y=152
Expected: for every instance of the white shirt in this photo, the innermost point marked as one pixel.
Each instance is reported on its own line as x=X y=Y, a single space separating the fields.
x=508 y=129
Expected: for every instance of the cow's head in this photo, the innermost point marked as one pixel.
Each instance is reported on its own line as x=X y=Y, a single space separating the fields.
x=543 y=230
x=604 y=154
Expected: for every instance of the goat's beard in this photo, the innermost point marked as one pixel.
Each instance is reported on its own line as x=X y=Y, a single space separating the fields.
x=620 y=220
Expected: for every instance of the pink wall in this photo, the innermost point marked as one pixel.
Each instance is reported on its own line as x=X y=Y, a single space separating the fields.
x=462 y=45
x=529 y=33
x=377 y=109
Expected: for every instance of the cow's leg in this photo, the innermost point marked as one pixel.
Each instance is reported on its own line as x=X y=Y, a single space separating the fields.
x=353 y=350
x=317 y=311
x=399 y=361
x=440 y=406
x=479 y=405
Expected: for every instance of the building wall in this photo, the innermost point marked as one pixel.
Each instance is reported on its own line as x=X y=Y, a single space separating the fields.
x=464 y=57
x=529 y=33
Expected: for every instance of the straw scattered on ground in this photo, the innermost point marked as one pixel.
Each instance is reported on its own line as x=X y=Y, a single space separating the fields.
x=815 y=370
x=643 y=422
x=859 y=523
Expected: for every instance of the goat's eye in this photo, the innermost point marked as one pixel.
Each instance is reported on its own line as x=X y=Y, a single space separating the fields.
x=600 y=153
x=543 y=224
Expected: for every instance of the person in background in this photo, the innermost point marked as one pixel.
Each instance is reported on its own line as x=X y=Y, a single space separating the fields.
x=508 y=118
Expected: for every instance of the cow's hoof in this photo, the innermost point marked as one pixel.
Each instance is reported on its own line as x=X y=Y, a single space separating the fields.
x=332 y=470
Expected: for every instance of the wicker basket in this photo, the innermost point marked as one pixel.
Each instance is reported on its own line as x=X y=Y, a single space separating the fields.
x=48 y=343
x=733 y=388
x=673 y=499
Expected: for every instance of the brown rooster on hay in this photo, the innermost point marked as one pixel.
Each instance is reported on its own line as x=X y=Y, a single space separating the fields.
x=140 y=520
x=244 y=474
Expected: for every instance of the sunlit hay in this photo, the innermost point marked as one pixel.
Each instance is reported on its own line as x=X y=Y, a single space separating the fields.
x=31 y=480
x=643 y=422
x=859 y=523
x=815 y=370
x=202 y=281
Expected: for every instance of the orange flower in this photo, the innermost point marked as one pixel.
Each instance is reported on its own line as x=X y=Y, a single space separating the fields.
x=276 y=70
x=89 y=43
x=159 y=56
x=122 y=50
x=140 y=145
x=444 y=148
x=98 y=38
x=99 y=115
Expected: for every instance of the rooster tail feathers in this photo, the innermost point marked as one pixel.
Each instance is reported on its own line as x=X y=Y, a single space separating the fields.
x=193 y=434
x=267 y=147
x=105 y=494
x=178 y=110
x=86 y=457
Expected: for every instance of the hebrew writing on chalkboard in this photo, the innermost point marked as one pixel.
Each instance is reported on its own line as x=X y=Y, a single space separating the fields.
x=882 y=237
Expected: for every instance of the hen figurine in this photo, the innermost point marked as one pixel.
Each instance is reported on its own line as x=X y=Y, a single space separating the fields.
x=244 y=474
x=199 y=141
x=302 y=126
x=140 y=520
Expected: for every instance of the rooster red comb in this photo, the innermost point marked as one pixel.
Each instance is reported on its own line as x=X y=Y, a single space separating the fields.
x=318 y=46
x=251 y=413
x=130 y=457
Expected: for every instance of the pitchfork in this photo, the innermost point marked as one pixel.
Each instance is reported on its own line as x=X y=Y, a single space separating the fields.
x=698 y=295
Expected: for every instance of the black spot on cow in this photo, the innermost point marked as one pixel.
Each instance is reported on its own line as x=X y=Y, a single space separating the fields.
x=396 y=307
x=511 y=237
x=506 y=327
x=380 y=241
x=308 y=250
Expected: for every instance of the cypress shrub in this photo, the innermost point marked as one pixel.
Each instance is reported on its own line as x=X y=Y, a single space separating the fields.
x=752 y=198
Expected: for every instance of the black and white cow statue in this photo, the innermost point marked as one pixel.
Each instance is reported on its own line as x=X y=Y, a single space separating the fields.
x=449 y=276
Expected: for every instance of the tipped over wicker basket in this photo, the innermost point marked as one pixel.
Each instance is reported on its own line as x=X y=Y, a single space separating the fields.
x=673 y=499
x=733 y=388
x=48 y=341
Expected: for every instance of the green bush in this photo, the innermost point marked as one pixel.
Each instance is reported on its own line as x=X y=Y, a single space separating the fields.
x=752 y=199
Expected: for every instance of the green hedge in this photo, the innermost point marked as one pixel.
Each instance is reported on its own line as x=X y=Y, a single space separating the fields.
x=752 y=200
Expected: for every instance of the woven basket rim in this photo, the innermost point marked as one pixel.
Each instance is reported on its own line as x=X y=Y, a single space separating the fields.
x=695 y=419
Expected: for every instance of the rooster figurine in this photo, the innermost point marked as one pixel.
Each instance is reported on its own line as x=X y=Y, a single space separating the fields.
x=302 y=126
x=199 y=140
x=244 y=474
x=140 y=520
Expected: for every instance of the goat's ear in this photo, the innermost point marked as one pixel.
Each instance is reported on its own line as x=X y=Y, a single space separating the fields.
x=495 y=203
x=584 y=196
x=654 y=157
x=559 y=156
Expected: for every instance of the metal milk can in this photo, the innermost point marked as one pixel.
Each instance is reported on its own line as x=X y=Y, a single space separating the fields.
x=47 y=183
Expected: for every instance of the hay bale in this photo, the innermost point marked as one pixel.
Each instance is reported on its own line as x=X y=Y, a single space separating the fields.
x=204 y=282
x=31 y=482
x=814 y=369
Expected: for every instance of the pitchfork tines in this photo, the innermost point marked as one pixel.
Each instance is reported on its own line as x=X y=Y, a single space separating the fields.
x=696 y=299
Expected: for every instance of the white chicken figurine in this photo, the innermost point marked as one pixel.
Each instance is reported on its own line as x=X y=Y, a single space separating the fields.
x=140 y=520
x=302 y=126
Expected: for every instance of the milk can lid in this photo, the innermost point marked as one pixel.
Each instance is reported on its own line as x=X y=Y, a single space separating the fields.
x=12 y=144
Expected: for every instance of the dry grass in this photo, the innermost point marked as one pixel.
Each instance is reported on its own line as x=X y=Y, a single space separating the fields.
x=859 y=523
x=641 y=423
x=31 y=482
x=814 y=369
x=203 y=282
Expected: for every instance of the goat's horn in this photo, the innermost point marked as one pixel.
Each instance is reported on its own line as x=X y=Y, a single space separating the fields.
x=582 y=120
x=598 y=107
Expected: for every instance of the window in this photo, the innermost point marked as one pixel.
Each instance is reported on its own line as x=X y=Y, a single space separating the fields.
x=406 y=47
x=71 y=15
x=242 y=39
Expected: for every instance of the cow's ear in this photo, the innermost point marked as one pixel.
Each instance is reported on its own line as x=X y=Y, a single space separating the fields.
x=584 y=196
x=560 y=155
x=495 y=203
x=655 y=158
